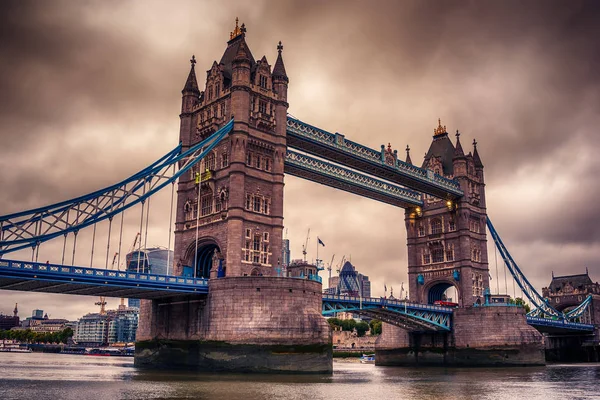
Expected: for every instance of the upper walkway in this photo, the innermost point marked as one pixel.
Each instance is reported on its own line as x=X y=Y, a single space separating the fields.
x=336 y=148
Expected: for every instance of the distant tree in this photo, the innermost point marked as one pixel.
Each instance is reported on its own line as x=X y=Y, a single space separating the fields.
x=375 y=325
x=334 y=322
x=361 y=328
x=520 y=302
x=348 y=324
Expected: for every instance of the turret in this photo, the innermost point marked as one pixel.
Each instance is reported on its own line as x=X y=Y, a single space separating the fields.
x=190 y=91
x=459 y=160
x=280 y=78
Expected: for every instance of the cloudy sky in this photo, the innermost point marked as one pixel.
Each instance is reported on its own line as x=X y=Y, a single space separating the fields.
x=90 y=93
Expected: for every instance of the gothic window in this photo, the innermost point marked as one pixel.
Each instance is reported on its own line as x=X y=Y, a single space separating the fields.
x=207 y=204
x=248 y=202
x=256 y=249
x=450 y=252
x=451 y=225
x=247 y=251
x=249 y=159
x=218 y=89
x=222 y=109
x=224 y=160
x=248 y=232
x=436 y=226
x=257 y=201
x=218 y=205
x=421 y=228
x=210 y=92
x=262 y=106
x=257 y=162
x=266 y=236
x=267 y=166
x=437 y=254
x=210 y=162
x=263 y=81
x=426 y=258
x=266 y=207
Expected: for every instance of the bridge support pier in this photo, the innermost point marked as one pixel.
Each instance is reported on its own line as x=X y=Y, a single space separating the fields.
x=245 y=324
x=481 y=336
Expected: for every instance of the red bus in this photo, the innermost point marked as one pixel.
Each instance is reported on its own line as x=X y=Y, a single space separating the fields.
x=445 y=303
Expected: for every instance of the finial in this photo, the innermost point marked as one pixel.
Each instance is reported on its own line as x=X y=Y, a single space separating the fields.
x=457 y=134
x=279 y=47
x=237 y=31
x=475 y=144
x=440 y=130
x=407 y=149
x=389 y=147
x=193 y=60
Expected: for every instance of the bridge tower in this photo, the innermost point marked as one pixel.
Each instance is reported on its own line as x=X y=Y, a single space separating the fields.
x=447 y=239
x=230 y=207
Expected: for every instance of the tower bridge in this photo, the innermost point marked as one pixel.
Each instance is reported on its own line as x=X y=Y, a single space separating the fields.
x=237 y=311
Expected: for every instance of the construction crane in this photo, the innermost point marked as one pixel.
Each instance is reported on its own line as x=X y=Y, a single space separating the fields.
x=101 y=303
x=341 y=264
x=305 y=246
x=330 y=264
x=112 y=266
x=135 y=241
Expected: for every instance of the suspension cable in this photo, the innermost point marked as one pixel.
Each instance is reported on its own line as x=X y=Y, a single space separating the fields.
x=120 y=241
x=74 y=246
x=93 y=239
x=198 y=179
x=147 y=219
x=112 y=202
x=141 y=227
x=497 y=281
x=65 y=242
x=170 y=223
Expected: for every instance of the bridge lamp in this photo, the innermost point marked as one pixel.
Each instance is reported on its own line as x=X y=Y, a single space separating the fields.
x=418 y=212
x=450 y=205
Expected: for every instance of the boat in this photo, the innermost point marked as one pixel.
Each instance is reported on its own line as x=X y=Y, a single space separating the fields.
x=367 y=359
x=12 y=346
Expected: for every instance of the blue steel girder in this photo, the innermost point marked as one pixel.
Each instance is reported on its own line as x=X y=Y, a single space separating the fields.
x=54 y=278
x=558 y=326
x=307 y=167
x=410 y=316
x=336 y=148
x=33 y=227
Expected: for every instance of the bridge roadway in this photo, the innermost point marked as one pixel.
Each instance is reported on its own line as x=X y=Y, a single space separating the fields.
x=62 y=279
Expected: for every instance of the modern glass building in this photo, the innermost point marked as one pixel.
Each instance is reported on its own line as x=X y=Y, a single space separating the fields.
x=285 y=253
x=133 y=303
x=123 y=325
x=153 y=260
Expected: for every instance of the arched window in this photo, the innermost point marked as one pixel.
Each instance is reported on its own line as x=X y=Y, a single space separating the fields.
x=436 y=226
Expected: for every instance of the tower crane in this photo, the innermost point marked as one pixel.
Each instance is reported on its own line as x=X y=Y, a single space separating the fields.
x=330 y=264
x=101 y=303
x=341 y=264
x=305 y=245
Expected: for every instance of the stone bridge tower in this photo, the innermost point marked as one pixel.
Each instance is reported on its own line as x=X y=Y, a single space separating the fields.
x=447 y=239
x=230 y=207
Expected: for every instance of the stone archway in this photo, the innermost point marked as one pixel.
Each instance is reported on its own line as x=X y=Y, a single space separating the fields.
x=202 y=258
x=436 y=292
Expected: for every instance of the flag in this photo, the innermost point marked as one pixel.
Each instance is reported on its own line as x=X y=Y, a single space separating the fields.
x=319 y=241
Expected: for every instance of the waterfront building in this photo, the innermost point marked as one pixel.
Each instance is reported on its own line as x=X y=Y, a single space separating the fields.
x=123 y=325
x=48 y=325
x=285 y=253
x=133 y=303
x=154 y=260
x=8 y=322
x=92 y=330
x=302 y=269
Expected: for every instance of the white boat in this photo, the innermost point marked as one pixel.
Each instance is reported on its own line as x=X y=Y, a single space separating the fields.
x=367 y=359
x=12 y=346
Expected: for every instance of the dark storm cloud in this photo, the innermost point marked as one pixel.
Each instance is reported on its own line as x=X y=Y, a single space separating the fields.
x=89 y=93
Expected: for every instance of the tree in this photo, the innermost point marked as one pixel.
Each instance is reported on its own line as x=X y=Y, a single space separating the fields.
x=520 y=302
x=375 y=325
x=361 y=328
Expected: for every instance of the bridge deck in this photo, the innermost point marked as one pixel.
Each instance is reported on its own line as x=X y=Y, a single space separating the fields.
x=52 y=278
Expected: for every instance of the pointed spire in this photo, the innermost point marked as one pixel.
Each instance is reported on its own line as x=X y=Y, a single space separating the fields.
x=440 y=130
x=458 y=150
x=191 y=85
x=408 y=160
x=16 y=310
x=476 y=159
x=279 y=69
x=243 y=53
x=237 y=31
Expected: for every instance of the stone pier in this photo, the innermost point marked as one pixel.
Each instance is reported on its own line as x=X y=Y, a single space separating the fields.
x=245 y=324
x=481 y=336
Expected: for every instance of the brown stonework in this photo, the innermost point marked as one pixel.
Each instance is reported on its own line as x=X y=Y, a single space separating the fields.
x=447 y=237
x=481 y=336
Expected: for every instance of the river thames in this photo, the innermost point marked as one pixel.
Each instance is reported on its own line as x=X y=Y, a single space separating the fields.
x=37 y=376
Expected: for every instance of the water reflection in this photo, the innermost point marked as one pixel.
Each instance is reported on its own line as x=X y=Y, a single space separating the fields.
x=53 y=376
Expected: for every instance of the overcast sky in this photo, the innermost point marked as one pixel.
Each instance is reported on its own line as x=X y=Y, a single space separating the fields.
x=90 y=93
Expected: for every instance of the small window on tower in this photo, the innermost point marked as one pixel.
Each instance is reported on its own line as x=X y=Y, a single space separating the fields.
x=249 y=159
x=263 y=81
x=248 y=232
x=224 y=160
x=257 y=162
x=267 y=165
x=257 y=203
x=266 y=236
x=218 y=89
x=262 y=106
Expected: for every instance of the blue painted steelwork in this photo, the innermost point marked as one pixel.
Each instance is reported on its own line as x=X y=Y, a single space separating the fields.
x=30 y=228
x=558 y=325
x=53 y=278
x=329 y=174
x=335 y=147
x=542 y=308
x=410 y=316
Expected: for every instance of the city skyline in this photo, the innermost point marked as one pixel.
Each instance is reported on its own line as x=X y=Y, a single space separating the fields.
x=93 y=77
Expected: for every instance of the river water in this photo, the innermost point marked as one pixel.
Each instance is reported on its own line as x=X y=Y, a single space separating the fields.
x=37 y=376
